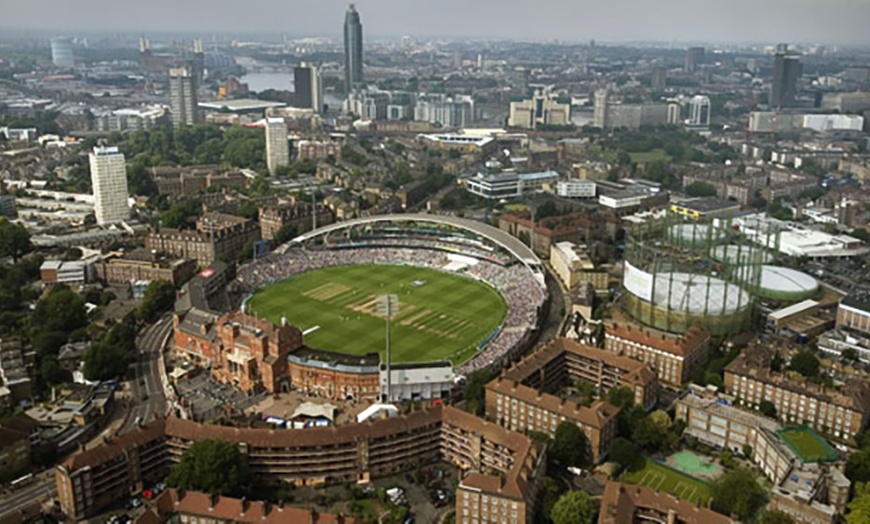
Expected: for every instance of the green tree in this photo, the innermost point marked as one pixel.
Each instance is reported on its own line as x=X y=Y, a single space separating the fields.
x=287 y=233
x=159 y=297
x=62 y=310
x=139 y=181
x=550 y=492
x=859 y=507
x=181 y=214
x=767 y=408
x=806 y=364
x=569 y=447
x=51 y=371
x=621 y=397
x=475 y=390
x=14 y=240
x=625 y=453
x=248 y=209
x=574 y=507
x=212 y=466
x=648 y=435
x=770 y=516
x=858 y=465
x=109 y=357
x=701 y=189
x=737 y=493
x=47 y=343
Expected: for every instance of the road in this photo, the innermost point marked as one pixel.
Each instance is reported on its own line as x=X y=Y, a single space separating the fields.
x=147 y=399
x=147 y=396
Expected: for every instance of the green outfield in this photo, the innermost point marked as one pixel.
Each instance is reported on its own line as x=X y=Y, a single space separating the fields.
x=441 y=316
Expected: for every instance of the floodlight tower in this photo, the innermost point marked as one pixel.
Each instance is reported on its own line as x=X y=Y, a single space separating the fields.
x=388 y=305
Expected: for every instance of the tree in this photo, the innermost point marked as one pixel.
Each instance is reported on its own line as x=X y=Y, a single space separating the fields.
x=109 y=357
x=181 y=214
x=767 y=408
x=701 y=189
x=47 y=343
x=139 y=181
x=550 y=492
x=62 y=310
x=51 y=371
x=859 y=507
x=14 y=240
x=573 y=507
x=475 y=390
x=806 y=364
x=858 y=465
x=621 y=397
x=737 y=493
x=212 y=466
x=660 y=420
x=770 y=516
x=287 y=233
x=159 y=297
x=626 y=454
x=647 y=434
x=569 y=447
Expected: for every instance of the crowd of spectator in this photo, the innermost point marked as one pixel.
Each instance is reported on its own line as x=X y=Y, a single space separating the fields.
x=517 y=284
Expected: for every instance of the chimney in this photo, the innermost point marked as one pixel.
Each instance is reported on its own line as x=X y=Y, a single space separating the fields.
x=244 y=506
x=212 y=500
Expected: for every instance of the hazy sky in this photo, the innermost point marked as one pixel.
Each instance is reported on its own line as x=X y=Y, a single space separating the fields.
x=830 y=21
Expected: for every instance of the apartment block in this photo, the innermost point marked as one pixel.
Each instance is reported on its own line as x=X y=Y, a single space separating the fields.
x=216 y=236
x=524 y=398
x=572 y=264
x=142 y=264
x=841 y=412
x=627 y=504
x=496 y=465
x=674 y=358
x=300 y=215
x=854 y=312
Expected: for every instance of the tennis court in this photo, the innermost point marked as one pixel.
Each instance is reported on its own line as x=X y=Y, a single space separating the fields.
x=694 y=465
x=662 y=478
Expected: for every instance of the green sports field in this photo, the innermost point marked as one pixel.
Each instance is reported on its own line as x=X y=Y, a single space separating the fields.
x=807 y=444
x=662 y=478
x=441 y=316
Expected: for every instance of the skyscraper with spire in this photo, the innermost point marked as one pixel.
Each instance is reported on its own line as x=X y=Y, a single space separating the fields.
x=353 y=50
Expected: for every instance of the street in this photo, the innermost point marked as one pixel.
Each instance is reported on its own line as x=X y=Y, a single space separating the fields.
x=147 y=399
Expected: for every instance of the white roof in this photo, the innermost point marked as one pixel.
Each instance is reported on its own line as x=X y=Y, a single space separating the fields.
x=310 y=409
x=775 y=278
x=792 y=309
x=376 y=409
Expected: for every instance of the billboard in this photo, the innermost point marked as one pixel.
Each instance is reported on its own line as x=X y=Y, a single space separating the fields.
x=639 y=283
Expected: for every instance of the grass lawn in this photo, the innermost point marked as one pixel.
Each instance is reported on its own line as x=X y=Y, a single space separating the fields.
x=807 y=444
x=649 y=156
x=658 y=477
x=441 y=316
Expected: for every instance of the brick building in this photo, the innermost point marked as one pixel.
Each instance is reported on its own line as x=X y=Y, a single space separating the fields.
x=216 y=236
x=327 y=374
x=296 y=214
x=854 y=312
x=841 y=413
x=524 y=398
x=142 y=264
x=627 y=504
x=674 y=358
x=318 y=149
x=499 y=469
x=579 y=228
x=239 y=349
x=193 y=180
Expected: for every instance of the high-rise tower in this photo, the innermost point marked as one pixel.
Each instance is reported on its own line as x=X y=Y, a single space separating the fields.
x=309 y=89
x=109 y=180
x=787 y=69
x=353 y=50
x=277 y=149
x=62 y=52
x=182 y=96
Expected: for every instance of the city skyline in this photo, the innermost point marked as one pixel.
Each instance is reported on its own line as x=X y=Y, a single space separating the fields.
x=839 y=21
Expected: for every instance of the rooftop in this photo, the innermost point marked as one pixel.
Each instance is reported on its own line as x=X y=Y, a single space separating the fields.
x=241 y=105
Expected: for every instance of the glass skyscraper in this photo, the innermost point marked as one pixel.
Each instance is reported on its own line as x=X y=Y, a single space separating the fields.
x=353 y=50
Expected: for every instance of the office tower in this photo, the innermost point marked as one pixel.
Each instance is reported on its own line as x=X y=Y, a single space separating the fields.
x=62 y=52
x=694 y=57
x=700 y=112
x=353 y=50
x=787 y=69
x=599 y=111
x=198 y=62
x=543 y=108
x=308 y=87
x=658 y=78
x=277 y=148
x=674 y=113
x=182 y=96
x=109 y=180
